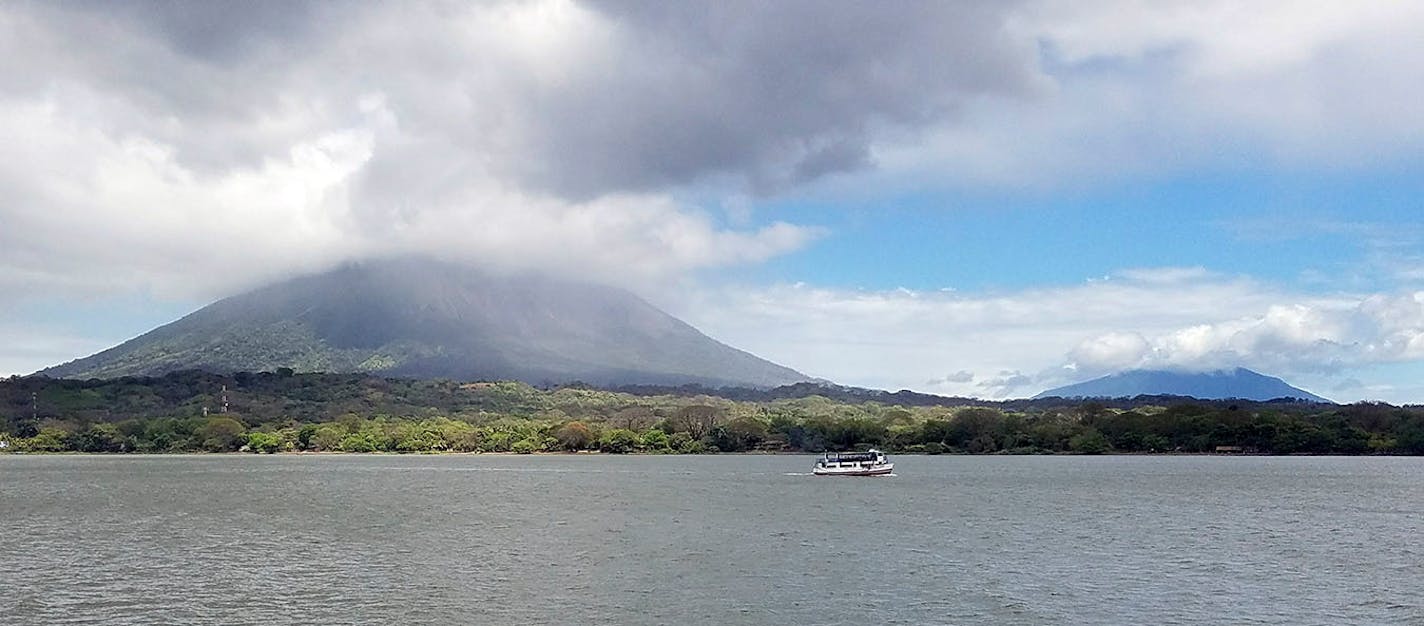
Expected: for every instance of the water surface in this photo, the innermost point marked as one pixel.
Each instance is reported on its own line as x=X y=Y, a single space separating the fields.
x=457 y=539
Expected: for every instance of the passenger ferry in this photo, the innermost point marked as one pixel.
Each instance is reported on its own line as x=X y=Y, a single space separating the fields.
x=871 y=463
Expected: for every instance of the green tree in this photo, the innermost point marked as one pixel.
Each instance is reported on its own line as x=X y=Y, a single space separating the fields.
x=96 y=438
x=1089 y=441
x=619 y=441
x=357 y=442
x=460 y=436
x=46 y=440
x=975 y=428
x=742 y=433
x=498 y=441
x=304 y=436
x=684 y=443
x=655 y=440
x=419 y=437
x=264 y=443
x=1409 y=436
x=221 y=434
x=327 y=437
x=935 y=431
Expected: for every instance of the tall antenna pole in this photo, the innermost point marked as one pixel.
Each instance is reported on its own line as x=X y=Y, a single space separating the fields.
x=34 y=406
x=224 y=399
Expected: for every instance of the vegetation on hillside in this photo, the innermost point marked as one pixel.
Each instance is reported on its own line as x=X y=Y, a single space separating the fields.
x=423 y=318
x=283 y=411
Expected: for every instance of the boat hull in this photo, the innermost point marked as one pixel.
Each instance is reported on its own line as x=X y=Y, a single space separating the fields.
x=878 y=470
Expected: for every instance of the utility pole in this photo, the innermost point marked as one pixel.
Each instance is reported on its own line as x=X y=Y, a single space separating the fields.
x=34 y=406
x=224 y=399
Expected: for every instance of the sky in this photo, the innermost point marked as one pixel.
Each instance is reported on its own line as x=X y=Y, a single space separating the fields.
x=983 y=199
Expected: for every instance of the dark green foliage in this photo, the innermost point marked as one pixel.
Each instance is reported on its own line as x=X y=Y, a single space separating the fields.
x=1411 y=435
x=619 y=441
x=289 y=412
x=264 y=443
x=1090 y=441
x=739 y=435
x=221 y=434
x=96 y=438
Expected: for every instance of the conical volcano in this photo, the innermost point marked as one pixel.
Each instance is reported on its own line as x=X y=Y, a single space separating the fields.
x=1239 y=383
x=429 y=319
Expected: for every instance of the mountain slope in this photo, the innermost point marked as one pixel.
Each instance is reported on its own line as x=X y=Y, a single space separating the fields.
x=1219 y=385
x=427 y=319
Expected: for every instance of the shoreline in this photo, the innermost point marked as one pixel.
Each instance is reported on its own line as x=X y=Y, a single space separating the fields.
x=596 y=453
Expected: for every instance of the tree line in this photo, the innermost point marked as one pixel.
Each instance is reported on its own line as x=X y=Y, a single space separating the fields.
x=285 y=412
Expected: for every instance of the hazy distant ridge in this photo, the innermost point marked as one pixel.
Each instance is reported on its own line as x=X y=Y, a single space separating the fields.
x=1218 y=385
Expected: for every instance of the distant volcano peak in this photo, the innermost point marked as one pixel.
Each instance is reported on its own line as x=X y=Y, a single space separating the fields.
x=1237 y=383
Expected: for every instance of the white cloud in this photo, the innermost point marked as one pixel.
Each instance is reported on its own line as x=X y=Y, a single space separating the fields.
x=1165 y=275
x=1211 y=37
x=1150 y=89
x=1303 y=337
x=901 y=339
x=961 y=376
x=1016 y=344
x=193 y=160
x=1114 y=350
x=94 y=210
x=196 y=149
x=1007 y=383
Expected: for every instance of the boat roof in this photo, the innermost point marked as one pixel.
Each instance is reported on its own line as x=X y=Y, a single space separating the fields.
x=870 y=454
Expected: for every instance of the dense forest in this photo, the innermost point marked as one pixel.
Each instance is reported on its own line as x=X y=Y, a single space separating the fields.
x=285 y=412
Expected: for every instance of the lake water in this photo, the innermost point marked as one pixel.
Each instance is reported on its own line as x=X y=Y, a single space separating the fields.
x=727 y=540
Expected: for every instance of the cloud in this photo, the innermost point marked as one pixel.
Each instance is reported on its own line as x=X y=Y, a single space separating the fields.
x=1303 y=337
x=1164 y=275
x=900 y=338
x=1114 y=350
x=961 y=376
x=199 y=148
x=577 y=99
x=195 y=149
x=1153 y=89
x=774 y=92
x=1014 y=344
x=1005 y=383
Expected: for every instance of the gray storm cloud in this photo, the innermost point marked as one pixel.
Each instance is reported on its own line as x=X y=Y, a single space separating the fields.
x=773 y=91
x=548 y=132
x=576 y=99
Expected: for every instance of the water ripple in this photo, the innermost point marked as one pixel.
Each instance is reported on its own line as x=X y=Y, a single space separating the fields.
x=730 y=540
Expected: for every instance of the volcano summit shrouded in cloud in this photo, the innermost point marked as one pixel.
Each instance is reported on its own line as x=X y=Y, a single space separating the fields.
x=955 y=197
x=422 y=319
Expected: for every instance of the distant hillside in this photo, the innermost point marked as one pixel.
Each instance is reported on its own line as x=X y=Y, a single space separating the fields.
x=426 y=319
x=1218 y=385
